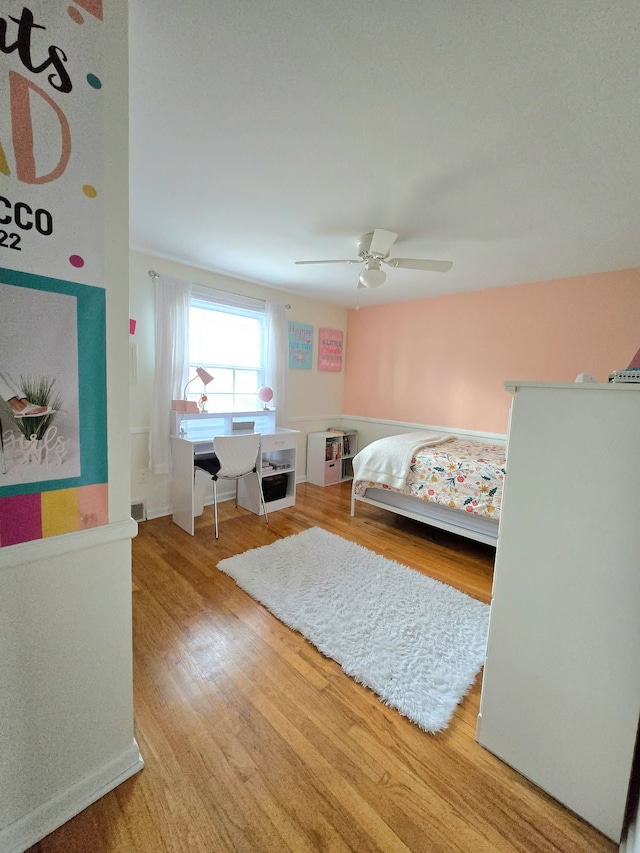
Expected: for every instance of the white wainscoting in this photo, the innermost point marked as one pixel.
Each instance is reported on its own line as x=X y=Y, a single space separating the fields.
x=67 y=734
x=155 y=491
x=27 y=831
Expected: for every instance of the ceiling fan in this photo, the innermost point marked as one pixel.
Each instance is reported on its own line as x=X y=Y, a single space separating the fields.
x=373 y=250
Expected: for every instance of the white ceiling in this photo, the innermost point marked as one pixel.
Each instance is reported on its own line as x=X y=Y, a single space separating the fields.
x=503 y=135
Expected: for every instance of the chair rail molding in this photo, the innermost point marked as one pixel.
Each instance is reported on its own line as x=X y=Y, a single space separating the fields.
x=55 y=546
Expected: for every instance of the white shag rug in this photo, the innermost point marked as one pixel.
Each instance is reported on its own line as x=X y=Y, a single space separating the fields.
x=416 y=642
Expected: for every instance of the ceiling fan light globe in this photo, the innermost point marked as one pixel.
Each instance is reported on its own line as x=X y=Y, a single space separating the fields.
x=373 y=277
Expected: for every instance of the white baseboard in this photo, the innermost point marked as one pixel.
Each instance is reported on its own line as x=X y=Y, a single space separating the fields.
x=162 y=511
x=158 y=512
x=33 y=826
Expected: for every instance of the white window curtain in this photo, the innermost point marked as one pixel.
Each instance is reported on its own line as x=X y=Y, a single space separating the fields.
x=276 y=372
x=173 y=298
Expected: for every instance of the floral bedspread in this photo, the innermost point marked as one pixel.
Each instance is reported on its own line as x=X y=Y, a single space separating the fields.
x=460 y=473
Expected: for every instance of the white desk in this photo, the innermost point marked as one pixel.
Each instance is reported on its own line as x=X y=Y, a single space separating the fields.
x=277 y=445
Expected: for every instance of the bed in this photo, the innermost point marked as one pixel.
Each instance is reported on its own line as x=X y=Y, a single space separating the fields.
x=452 y=483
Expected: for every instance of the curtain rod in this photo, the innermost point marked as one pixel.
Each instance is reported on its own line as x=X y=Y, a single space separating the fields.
x=155 y=275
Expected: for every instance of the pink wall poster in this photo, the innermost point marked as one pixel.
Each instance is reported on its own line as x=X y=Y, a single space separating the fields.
x=330 y=349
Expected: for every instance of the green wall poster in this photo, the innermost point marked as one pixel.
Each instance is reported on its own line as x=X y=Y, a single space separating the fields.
x=300 y=346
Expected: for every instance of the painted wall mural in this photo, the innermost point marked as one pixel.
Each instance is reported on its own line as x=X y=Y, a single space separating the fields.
x=53 y=445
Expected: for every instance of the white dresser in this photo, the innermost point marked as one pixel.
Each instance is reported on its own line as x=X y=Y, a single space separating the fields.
x=561 y=686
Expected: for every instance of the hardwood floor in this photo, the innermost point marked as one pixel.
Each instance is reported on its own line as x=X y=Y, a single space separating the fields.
x=253 y=741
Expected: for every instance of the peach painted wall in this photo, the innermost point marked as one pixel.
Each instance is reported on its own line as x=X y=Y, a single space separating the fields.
x=443 y=361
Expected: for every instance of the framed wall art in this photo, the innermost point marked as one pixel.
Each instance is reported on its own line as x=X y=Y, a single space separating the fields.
x=330 y=349
x=300 y=346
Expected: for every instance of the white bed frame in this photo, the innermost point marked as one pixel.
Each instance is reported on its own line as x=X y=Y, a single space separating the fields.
x=446 y=518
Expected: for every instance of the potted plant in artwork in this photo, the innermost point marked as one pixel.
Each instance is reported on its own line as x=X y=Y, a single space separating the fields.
x=39 y=392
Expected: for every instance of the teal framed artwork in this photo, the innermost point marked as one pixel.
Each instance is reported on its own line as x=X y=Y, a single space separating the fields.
x=53 y=464
x=300 y=346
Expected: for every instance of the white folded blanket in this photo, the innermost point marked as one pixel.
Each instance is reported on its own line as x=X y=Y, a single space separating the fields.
x=388 y=460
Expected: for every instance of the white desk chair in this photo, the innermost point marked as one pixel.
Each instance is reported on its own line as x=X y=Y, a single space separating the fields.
x=238 y=457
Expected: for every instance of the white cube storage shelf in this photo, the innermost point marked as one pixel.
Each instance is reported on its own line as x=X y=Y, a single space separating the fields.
x=329 y=456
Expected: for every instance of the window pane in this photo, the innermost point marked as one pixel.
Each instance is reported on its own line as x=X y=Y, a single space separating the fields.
x=246 y=381
x=222 y=338
x=229 y=343
x=223 y=380
x=246 y=403
x=223 y=403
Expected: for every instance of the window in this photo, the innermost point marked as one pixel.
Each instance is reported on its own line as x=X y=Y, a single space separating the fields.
x=227 y=338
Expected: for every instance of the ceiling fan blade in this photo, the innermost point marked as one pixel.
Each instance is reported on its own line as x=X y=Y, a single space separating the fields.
x=382 y=241
x=418 y=264
x=330 y=262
